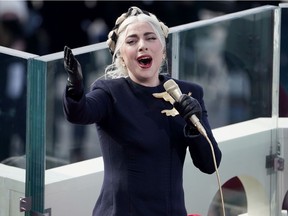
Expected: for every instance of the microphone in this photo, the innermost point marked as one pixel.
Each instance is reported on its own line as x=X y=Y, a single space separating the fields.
x=174 y=91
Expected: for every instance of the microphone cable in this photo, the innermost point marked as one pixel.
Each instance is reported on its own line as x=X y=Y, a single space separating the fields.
x=203 y=132
x=174 y=91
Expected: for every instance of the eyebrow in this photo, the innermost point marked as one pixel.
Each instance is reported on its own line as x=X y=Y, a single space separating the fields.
x=145 y=34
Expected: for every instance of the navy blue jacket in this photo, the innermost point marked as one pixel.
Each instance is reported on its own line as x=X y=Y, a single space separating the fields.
x=143 y=149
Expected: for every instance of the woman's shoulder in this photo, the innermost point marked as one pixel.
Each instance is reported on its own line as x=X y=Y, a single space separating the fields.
x=189 y=85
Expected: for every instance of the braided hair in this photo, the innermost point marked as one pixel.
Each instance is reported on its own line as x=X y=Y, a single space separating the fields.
x=115 y=41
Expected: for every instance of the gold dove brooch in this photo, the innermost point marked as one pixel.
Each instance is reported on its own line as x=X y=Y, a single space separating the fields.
x=165 y=96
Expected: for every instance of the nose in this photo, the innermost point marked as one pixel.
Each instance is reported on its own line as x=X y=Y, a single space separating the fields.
x=142 y=45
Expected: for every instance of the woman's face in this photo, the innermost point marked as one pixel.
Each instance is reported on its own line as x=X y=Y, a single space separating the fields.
x=142 y=53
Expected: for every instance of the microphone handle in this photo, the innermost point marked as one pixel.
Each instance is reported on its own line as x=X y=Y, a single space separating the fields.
x=196 y=122
x=174 y=91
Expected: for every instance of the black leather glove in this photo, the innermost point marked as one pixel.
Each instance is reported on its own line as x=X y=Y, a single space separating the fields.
x=74 y=72
x=187 y=106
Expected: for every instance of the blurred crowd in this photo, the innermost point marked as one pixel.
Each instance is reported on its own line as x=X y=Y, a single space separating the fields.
x=44 y=27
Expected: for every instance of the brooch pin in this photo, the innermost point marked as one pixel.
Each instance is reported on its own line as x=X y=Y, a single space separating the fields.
x=167 y=97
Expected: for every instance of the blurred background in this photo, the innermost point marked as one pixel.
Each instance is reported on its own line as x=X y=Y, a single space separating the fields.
x=44 y=27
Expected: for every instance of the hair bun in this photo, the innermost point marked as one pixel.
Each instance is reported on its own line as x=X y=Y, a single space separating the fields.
x=132 y=11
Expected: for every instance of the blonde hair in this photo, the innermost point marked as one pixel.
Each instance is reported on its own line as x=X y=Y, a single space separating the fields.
x=117 y=36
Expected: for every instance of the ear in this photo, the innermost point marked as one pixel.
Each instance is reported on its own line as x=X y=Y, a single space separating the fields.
x=122 y=61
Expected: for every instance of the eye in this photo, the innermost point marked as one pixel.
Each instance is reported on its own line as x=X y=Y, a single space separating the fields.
x=131 y=41
x=152 y=38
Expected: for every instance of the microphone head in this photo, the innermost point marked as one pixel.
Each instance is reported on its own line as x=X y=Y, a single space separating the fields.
x=172 y=89
x=170 y=85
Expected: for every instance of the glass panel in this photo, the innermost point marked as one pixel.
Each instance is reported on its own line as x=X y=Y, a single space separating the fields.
x=283 y=110
x=36 y=135
x=283 y=97
x=13 y=110
x=232 y=59
x=13 y=130
x=13 y=91
x=65 y=142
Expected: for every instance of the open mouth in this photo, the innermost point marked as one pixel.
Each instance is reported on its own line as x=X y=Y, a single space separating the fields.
x=145 y=61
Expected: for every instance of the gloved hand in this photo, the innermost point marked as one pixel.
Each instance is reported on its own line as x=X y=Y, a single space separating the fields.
x=74 y=72
x=187 y=106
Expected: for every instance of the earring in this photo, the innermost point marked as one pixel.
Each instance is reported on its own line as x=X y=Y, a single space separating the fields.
x=122 y=62
x=123 y=65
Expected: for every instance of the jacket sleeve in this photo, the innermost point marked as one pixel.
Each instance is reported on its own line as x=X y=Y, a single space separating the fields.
x=91 y=108
x=199 y=147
